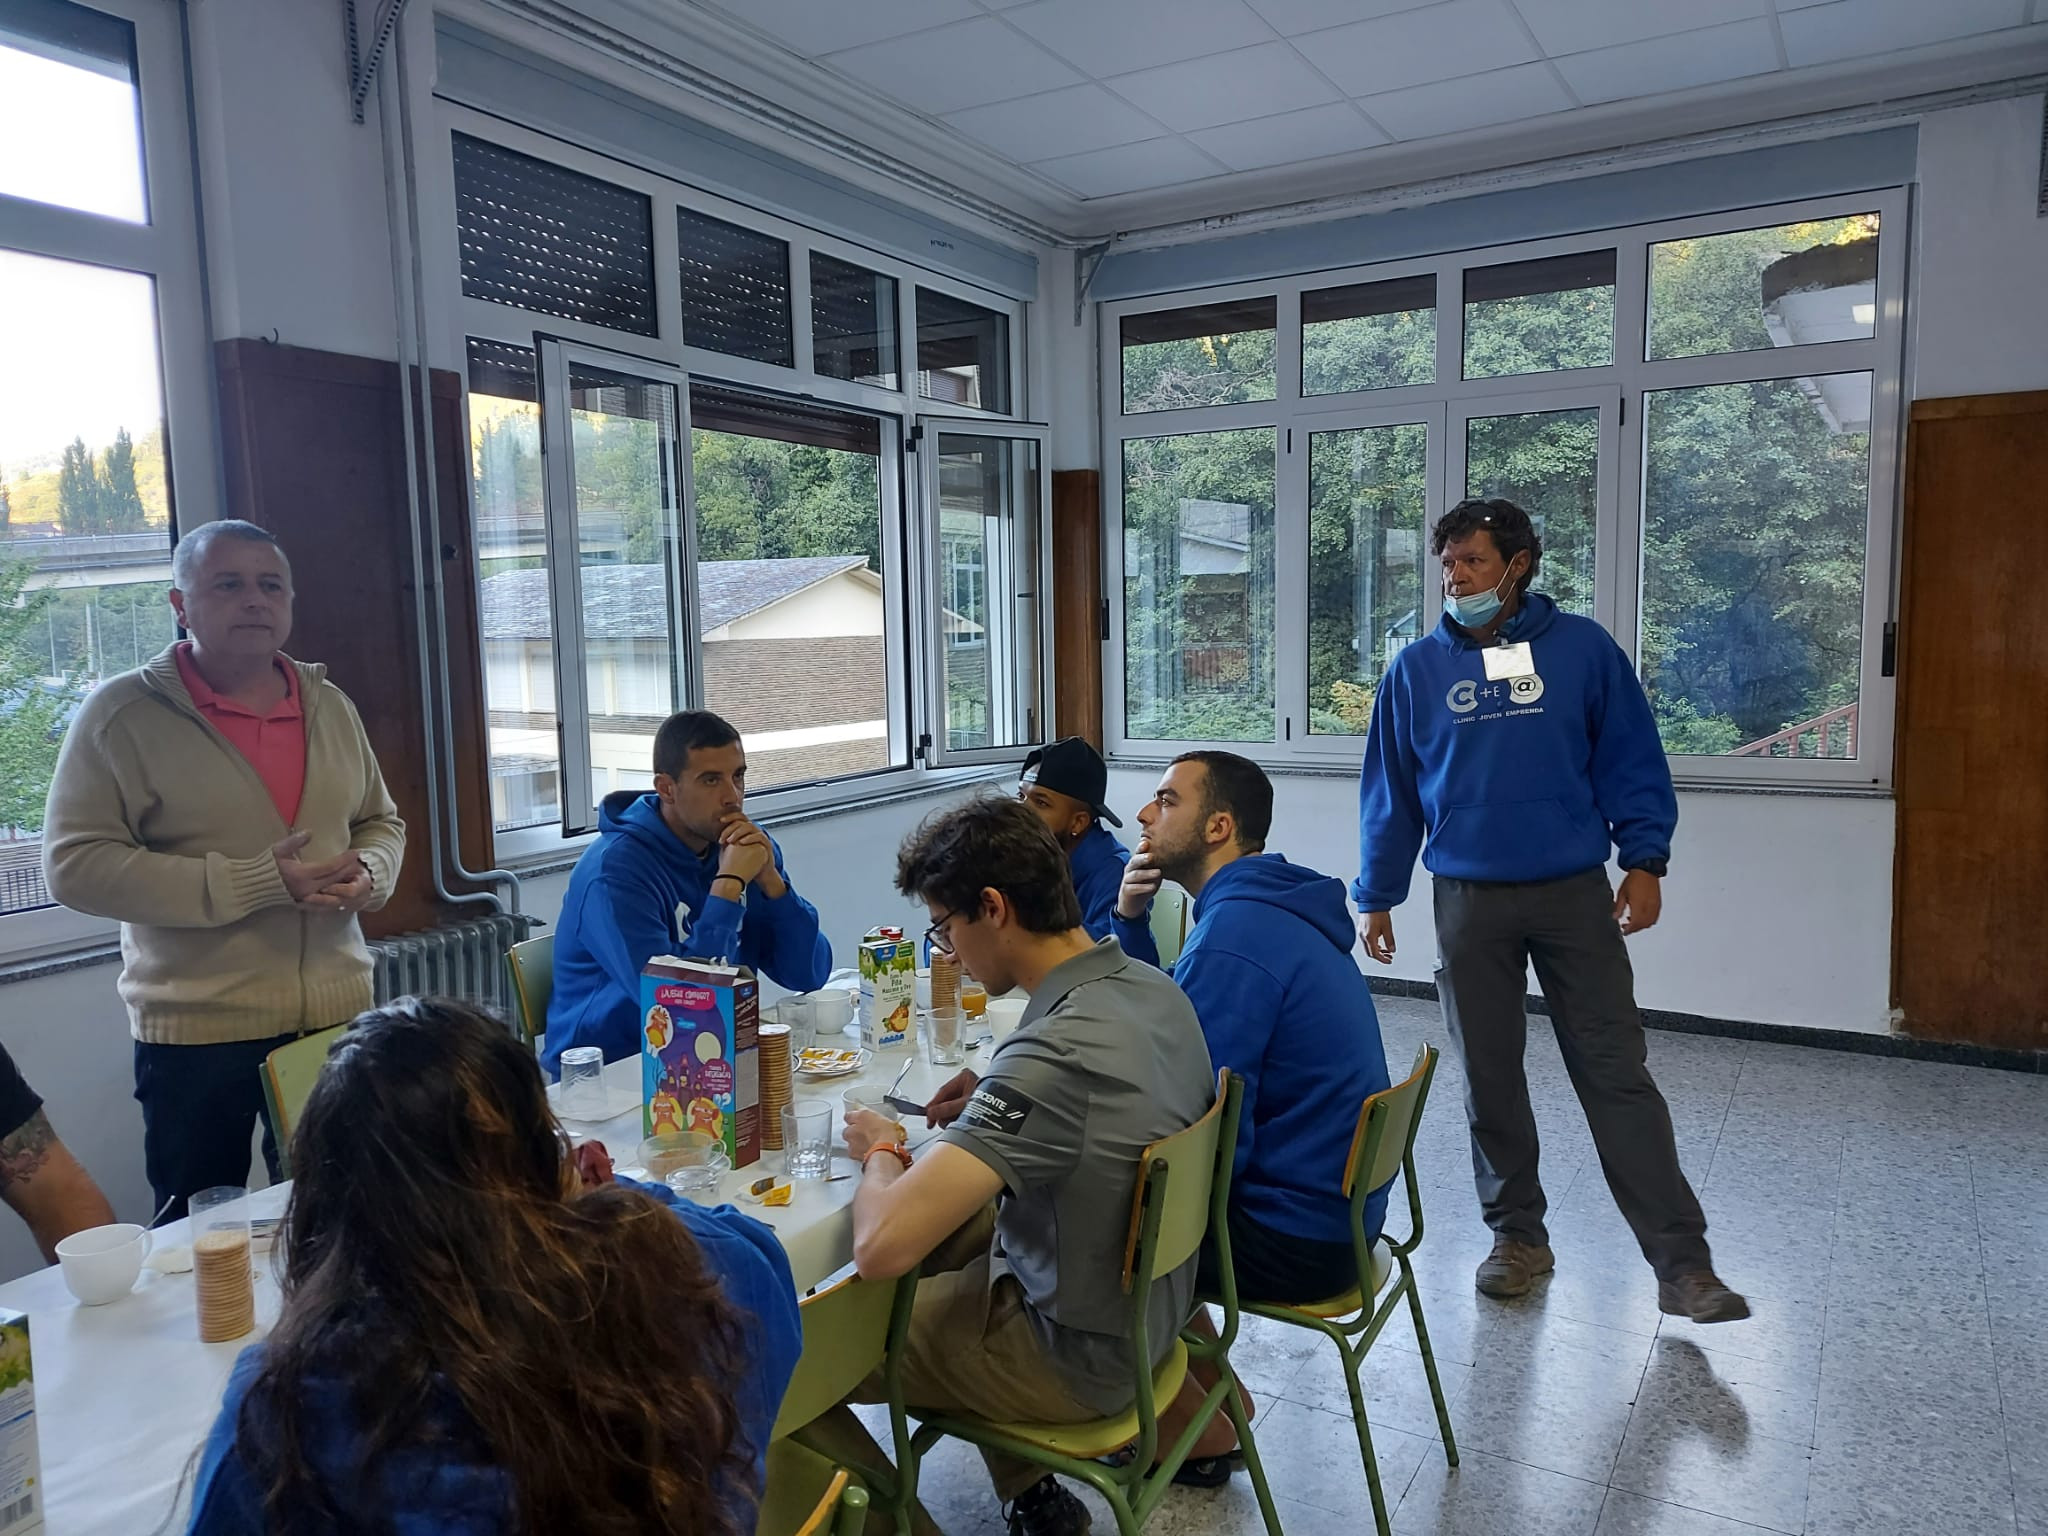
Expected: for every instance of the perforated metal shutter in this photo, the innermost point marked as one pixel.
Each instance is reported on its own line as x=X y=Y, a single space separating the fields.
x=735 y=289
x=554 y=241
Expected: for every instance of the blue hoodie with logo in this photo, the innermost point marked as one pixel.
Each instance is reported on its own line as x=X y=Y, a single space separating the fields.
x=1514 y=780
x=1097 y=863
x=1268 y=966
x=638 y=892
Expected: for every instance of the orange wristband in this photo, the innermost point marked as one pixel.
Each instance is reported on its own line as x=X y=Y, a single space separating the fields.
x=895 y=1149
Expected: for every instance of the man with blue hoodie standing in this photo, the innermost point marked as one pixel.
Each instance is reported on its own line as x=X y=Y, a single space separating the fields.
x=677 y=871
x=1518 y=740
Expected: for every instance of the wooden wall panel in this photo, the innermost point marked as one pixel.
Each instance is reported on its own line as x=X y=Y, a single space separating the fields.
x=1077 y=603
x=315 y=450
x=1971 y=875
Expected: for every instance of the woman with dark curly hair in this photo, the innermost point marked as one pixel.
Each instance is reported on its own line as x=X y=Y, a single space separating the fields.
x=473 y=1341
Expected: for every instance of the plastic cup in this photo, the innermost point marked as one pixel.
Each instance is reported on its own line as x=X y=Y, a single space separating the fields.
x=942 y=1031
x=223 y=1274
x=689 y=1162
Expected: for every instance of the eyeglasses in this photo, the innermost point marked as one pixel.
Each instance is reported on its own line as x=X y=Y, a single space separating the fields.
x=936 y=936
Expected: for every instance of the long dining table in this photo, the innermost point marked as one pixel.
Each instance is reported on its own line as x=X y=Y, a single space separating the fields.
x=125 y=1393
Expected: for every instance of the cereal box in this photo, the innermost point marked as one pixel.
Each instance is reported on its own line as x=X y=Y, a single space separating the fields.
x=888 y=990
x=700 y=1059
x=21 y=1489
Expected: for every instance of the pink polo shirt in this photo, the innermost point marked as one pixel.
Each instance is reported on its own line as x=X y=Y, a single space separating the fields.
x=274 y=743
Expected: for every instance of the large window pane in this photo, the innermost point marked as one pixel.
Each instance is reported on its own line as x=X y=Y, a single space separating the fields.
x=1207 y=354
x=1369 y=336
x=735 y=289
x=963 y=352
x=1367 y=502
x=853 y=322
x=1786 y=286
x=1548 y=464
x=511 y=539
x=1540 y=316
x=70 y=115
x=1756 y=505
x=789 y=599
x=1198 y=586
x=85 y=520
x=543 y=238
x=989 y=497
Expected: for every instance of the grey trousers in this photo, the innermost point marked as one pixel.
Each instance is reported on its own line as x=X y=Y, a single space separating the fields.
x=1487 y=935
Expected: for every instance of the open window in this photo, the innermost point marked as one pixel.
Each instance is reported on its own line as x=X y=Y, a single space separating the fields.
x=987 y=530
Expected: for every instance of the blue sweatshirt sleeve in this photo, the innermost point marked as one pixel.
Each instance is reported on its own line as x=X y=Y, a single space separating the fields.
x=1390 y=821
x=1238 y=1003
x=224 y=1500
x=623 y=923
x=1631 y=774
x=782 y=939
x=1135 y=935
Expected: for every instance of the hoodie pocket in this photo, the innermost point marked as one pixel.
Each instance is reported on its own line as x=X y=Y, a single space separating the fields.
x=1502 y=840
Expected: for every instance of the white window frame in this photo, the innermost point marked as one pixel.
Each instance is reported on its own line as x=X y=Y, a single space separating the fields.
x=905 y=590
x=166 y=249
x=1619 y=388
x=1002 y=587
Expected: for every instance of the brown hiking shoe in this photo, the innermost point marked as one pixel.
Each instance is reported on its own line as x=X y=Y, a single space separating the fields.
x=1702 y=1297
x=1509 y=1269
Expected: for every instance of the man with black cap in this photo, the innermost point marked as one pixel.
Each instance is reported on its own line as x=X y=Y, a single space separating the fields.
x=1065 y=784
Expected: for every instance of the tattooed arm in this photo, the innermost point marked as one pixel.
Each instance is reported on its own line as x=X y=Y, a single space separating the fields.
x=46 y=1185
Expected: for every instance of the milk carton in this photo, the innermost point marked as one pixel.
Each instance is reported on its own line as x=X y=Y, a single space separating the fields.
x=700 y=1059
x=888 y=990
x=21 y=1489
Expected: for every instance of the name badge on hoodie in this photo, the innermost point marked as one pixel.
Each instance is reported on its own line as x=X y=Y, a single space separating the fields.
x=1505 y=661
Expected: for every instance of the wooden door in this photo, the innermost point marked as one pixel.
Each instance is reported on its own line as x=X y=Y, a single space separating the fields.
x=1971 y=876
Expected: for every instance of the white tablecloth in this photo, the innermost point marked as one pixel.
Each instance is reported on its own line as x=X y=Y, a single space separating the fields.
x=125 y=1393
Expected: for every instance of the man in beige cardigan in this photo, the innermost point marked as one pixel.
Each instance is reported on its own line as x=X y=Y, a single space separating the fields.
x=224 y=804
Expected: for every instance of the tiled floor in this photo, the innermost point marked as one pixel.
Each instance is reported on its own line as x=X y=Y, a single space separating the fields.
x=1889 y=1223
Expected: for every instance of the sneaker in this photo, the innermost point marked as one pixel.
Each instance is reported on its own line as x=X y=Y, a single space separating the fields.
x=1512 y=1266
x=1702 y=1297
x=1046 y=1509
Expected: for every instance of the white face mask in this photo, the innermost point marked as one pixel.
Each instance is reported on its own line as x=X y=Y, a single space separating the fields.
x=1480 y=607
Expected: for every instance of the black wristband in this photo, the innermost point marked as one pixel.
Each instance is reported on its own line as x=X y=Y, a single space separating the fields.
x=1657 y=867
x=735 y=879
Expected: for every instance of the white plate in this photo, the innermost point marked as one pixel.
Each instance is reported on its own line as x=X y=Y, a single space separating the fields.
x=859 y=1063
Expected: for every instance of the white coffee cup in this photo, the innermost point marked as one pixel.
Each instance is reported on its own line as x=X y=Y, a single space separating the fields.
x=101 y=1263
x=1004 y=1015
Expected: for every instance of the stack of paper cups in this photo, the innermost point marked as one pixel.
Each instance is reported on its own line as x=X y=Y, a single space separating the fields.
x=775 y=1083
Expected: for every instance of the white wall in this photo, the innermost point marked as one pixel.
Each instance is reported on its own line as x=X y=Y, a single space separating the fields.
x=1981 y=317
x=1777 y=909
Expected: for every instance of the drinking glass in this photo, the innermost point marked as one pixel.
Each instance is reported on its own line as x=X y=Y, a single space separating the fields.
x=807 y=1139
x=223 y=1275
x=942 y=1030
x=582 y=1083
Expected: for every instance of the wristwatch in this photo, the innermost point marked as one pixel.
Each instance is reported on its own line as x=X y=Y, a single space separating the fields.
x=894 y=1148
x=1658 y=867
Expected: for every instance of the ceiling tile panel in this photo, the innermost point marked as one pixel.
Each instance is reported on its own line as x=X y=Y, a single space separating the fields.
x=1081 y=117
x=1672 y=63
x=1114 y=37
x=1850 y=29
x=1579 y=26
x=1294 y=16
x=812 y=27
x=1225 y=87
x=1130 y=168
x=965 y=65
x=1476 y=101
x=1289 y=137
x=1464 y=37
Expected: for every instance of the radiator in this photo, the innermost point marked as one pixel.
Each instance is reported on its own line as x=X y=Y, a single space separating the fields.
x=464 y=960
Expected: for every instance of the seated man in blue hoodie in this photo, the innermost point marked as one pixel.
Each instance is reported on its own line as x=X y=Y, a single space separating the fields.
x=676 y=871
x=1518 y=739
x=1066 y=784
x=1268 y=966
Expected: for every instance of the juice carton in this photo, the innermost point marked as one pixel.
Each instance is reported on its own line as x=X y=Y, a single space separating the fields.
x=700 y=1058
x=21 y=1492
x=888 y=990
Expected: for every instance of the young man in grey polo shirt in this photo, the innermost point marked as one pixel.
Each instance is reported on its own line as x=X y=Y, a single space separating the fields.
x=1020 y=1211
